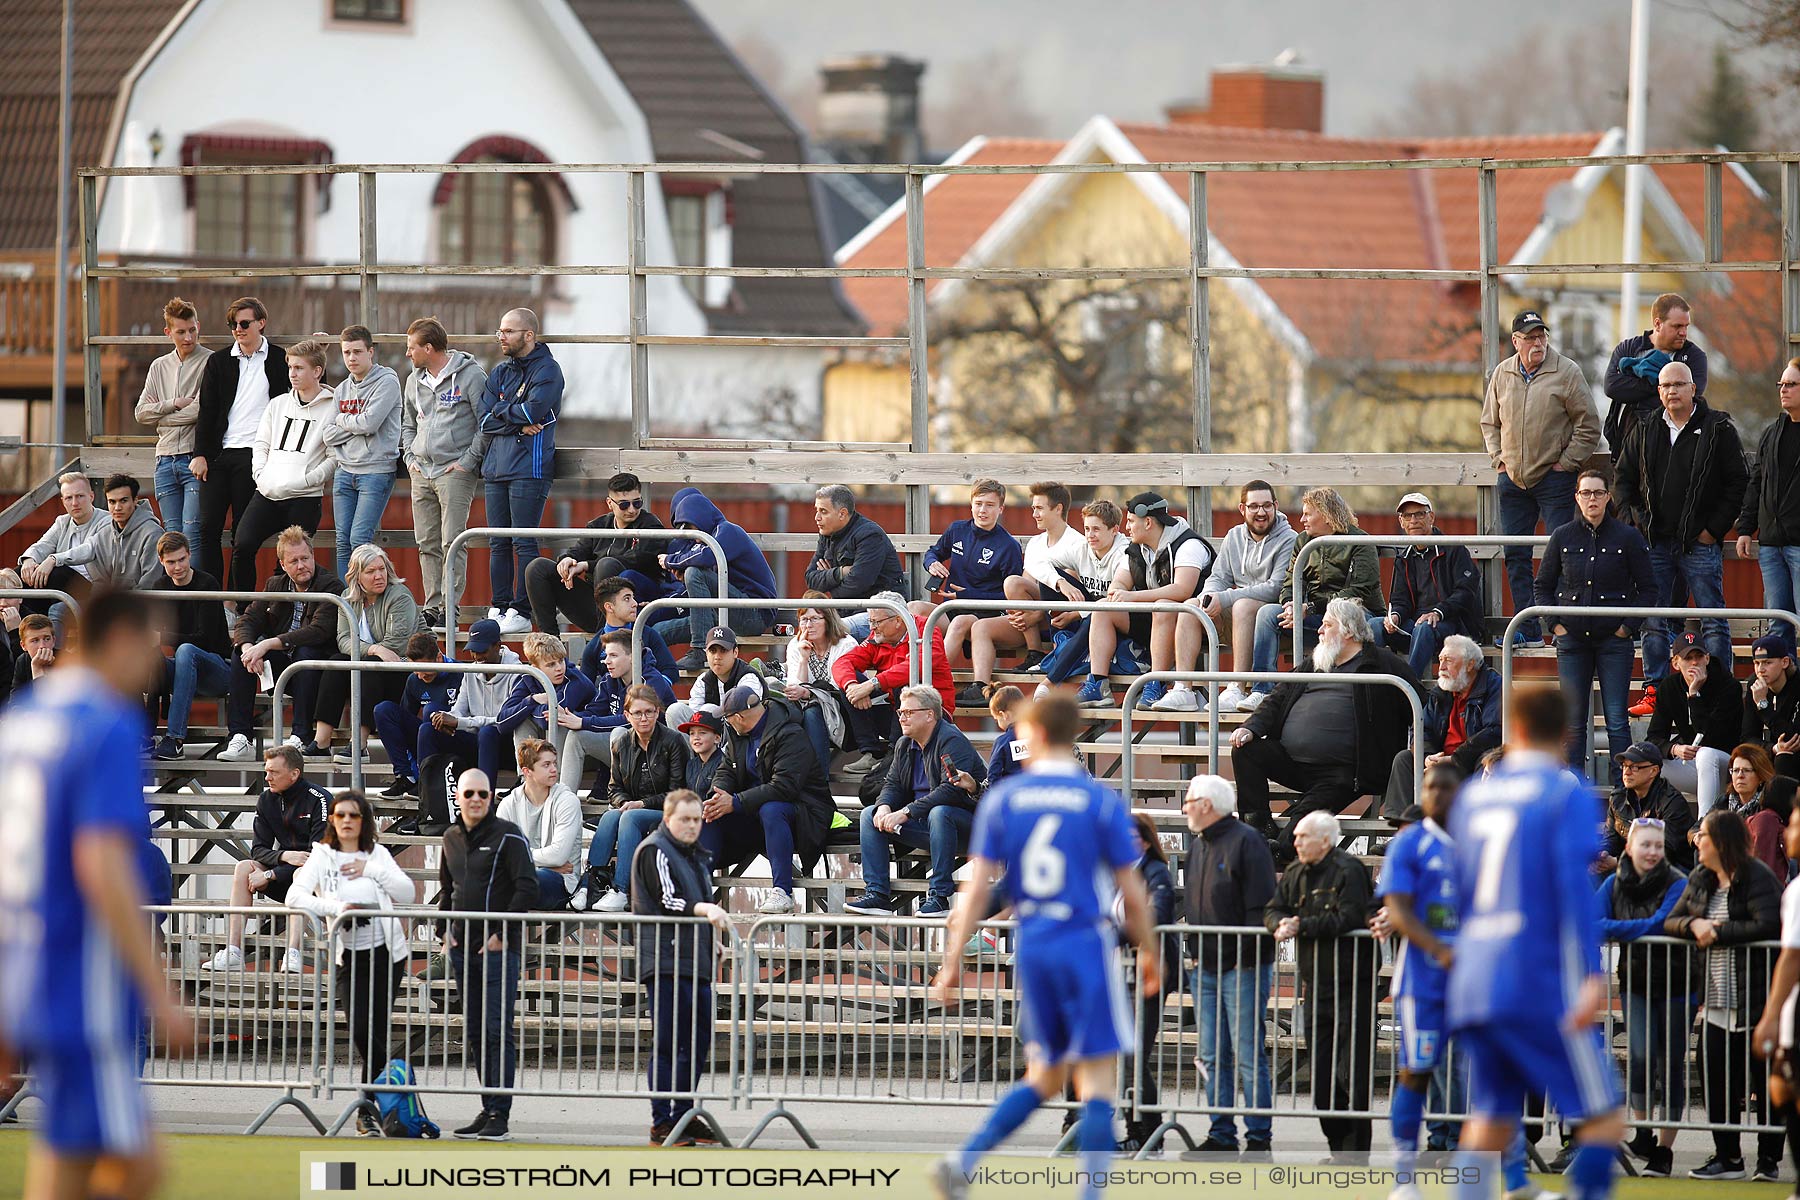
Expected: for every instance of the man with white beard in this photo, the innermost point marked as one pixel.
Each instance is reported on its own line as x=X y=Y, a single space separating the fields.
x=1330 y=742
x=1462 y=721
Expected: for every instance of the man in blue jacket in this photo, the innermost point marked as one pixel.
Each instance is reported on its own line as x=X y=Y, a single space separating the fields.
x=519 y=409
x=1462 y=721
x=693 y=561
x=972 y=560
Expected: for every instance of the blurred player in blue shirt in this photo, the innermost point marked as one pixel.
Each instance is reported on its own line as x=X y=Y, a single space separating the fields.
x=78 y=969
x=1526 y=985
x=1065 y=845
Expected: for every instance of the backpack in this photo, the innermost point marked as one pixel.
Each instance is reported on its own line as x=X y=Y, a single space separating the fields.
x=437 y=792
x=402 y=1113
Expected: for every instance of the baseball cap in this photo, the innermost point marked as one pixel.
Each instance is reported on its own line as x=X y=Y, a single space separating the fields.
x=1413 y=498
x=1771 y=645
x=1642 y=752
x=739 y=699
x=1686 y=642
x=484 y=635
x=721 y=635
x=1528 y=319
x=707 y=715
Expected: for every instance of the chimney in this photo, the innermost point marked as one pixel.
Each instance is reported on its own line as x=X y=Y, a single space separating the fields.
x=1279 y=95
x=869 y=108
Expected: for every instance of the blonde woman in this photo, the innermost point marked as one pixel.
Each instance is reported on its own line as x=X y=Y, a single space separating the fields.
x=386 y=617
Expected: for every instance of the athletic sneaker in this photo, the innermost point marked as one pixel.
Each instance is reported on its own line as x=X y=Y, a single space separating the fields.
x=1718 y=1168
x=472 y=1130
x=401 y=788
x=1251 y=701
x=1768 y=1170
x=613 y=902
x=238 y=749
x=229 y=958
x=494 y=1130
x=981 y=942
x=294 y=740
x=291 y=961
x=947 y=1177
x=1179 y=698
x=312 y=749
x=1152 y=693
x=514 y=622
x=776 y=904
x=343 y=753
x=1659 y=1164
x=1646 y=705
x=1095 y=693
x=494 y=615
x=871 y=904
x=168 y=749
x=972 y=695
x=1231 y=699
x=934 y=906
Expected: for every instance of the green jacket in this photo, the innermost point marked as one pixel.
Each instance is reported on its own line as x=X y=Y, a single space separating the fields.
x=1338 y=570
x=393 y=618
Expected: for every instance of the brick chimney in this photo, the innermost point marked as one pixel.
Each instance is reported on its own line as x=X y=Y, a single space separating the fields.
x=869 y=108
x=1278 y=95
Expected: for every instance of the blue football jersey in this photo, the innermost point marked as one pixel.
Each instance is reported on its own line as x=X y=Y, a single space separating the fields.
x=71 y=759
x=1060 y=835
x=1421 y=863
x=1529 y=931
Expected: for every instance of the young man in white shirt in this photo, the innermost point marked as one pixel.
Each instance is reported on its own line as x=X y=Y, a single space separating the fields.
x=1053 y=561
x=235 y=388
x=1168 y=560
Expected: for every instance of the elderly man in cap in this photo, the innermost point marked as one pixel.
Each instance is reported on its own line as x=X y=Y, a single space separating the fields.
x=1697 y=720
x=1539 y=424
x=1436 y=590
x=1462 y=721
x=770 y=797
x=1645 y=793
x=1772 y=703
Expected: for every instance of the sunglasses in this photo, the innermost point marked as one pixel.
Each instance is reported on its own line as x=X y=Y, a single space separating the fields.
x=243 y=324
x=467 y=795
x=1647 y=822
x=638 y=503
x=346 y=816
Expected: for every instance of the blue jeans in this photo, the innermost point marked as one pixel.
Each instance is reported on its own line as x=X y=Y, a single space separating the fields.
x=193 y=672
x=1238 y=1062
x=518 y=504
x=1696 y=577
x=1781 y=580
x=703 y=584
x=1553 y=499
x=1426 y=640
x=1580 y=659
x=488 y=983
x=1656 y=1041
x=357 y=502
x=741 y=836
x=616 y=839
x=553 y=893
x=178 y=496
x=944 y=831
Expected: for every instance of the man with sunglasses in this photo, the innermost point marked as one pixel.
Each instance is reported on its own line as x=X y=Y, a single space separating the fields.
x=1645 y=794
x=566 y=585
x=486 y=867
x=235 y=388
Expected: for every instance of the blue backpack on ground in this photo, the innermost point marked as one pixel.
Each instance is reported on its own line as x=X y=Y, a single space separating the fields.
x=402 y=1113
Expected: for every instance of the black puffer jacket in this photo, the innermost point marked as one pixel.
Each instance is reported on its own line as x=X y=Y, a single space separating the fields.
x=1753 y=914
x=647 y=774
x=1717 y=712
x=1383 y=716
x=786 y=769
x=667 y=880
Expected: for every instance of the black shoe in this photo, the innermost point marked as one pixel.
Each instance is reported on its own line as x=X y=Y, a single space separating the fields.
x=472 y=1130
x=495 y=1130
x=366 y=1124
x=1257 y=1152
x=401 y=788
x=1659 y=1163
x=433 y=617
x=660 y=1133
x=872 y=904
x=409 y=826
x=1643 y=1145
x=168 y=749
x=1718 y=1168
x=312 y=749
x=693 y=660
x=1560 y=1164
x=1032 y=659
x=972 y=695
x=1208 y=1147
x=1768 y=1170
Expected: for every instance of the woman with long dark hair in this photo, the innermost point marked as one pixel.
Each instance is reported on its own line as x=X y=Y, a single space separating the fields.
x=350 y=872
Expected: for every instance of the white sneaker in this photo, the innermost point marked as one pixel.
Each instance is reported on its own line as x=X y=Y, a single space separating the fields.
x=290 y=961
x=1178 y=699
x=494 y=614
x=229 y=958
x=614 y=902
x=513 y=623
x=238 y=749
x=778 y=903
x=1251 y=702
x=294 y=740
x=1231 y=699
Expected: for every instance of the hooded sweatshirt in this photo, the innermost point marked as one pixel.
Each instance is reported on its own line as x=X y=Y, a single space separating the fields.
x=441 y=424
x=748 y=569
x=521 y=392
x=289 y=459
x=117 y=557
x=1249 y=569
x=480 y=695
x=364 y=435
x=553 y=828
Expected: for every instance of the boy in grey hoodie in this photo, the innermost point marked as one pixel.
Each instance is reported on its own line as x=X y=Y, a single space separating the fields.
x=363 y=440
x=122 y=552
x=1253 y=564
x=441 y=439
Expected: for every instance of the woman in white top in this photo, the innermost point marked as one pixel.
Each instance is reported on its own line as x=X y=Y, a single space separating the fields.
x=549 y=814
x=822 y=639
x=349 y=872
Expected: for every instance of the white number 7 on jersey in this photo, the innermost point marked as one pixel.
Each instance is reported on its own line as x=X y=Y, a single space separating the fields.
x=1494 y=829
x=1045 y=868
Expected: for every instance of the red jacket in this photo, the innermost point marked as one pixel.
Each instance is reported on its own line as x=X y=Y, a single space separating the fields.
x=889 y=663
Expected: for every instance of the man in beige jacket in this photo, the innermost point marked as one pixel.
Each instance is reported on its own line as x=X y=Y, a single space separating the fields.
x=1540 y=425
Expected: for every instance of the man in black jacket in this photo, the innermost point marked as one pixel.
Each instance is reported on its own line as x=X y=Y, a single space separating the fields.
x=671 y=876
x=1772 y=703
x=1331 y=743
x=855 y=558
x=1683 y=477
x=1632 y=371
x=196 y=632
x=1699 y=714
x=1645 y=793
x=290 y=819
x=928 y=803
x=770 y=797
x=1229 y=880
x=275 y=633
x=1325 y=900
x=486 y=868
x=556 y=585
x=234 y=390
x=1436 y=591
x=1772 y=502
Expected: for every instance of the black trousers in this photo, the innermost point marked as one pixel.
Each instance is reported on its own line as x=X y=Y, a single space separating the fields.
x=873 y=730
x=228 y=487
x=262 y=520
x=1726 y=1079
x=1340 y=1036
x=545 y=591
x=240 y=696
x=1265 y=760
x=366 y=983
x=334 y=695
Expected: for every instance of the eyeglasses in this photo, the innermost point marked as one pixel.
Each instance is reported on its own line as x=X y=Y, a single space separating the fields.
x=1743 y=770
x=1590 y=493
x=508 y=332
x=904 y=713
x=642 y=712
x=243 y=324
x=481 y=795
x=815 y=619
x=1422 y=514
x=1788 y=383
x=1673 y=387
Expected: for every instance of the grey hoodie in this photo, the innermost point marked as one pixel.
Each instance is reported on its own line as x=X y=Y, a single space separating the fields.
x=479 y=698
x=63 y=536
x=121 y=557
x=1249 y=569
x=364 y=436
x=439 y=426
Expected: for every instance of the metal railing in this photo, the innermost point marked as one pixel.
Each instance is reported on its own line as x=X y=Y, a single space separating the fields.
x=1332 y=677
x=376 y=664
x=54 y=594
x=453 y=598
x=773 y=604
x=1298 y=571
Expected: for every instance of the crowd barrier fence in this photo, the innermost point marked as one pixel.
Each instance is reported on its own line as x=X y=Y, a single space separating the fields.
x=774 y=604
